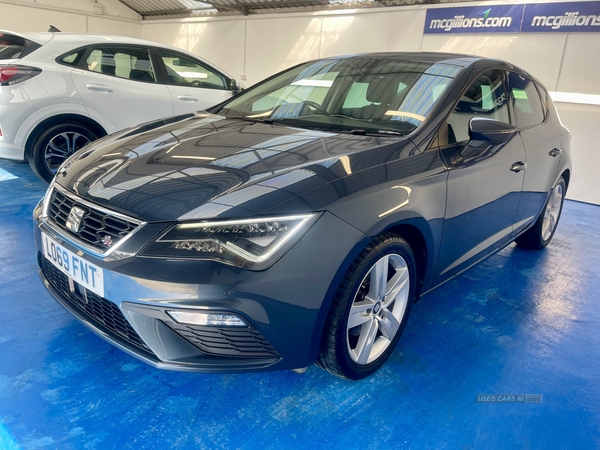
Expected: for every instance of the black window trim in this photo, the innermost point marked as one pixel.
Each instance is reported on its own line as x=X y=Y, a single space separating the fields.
x=75 y=65
x=546 y=97
x=81 y=50
x=81 y=60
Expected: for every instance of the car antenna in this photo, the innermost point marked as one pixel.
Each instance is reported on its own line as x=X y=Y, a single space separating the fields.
x=53 y=29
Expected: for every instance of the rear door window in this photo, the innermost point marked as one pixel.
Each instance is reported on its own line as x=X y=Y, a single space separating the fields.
x=132 y=63
x=528 y=105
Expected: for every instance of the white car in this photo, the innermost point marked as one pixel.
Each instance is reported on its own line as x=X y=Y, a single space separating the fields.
x=60 y=91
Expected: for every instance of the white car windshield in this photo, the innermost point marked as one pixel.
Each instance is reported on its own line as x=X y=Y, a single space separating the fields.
x=372 y=94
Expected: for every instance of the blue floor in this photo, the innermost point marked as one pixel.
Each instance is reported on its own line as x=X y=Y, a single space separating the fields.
x=522 y=322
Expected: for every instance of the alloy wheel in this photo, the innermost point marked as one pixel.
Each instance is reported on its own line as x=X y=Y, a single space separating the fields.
x=61 y=146
x=378 y=309
x=552 y=211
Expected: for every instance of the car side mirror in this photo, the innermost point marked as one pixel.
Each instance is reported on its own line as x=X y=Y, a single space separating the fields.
x=235 y=87
x=490 y=131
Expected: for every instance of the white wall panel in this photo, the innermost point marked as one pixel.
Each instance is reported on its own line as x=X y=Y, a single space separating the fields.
x=24 y=19
x=69 y=16
x=174 y=34
x=275 y=44
x=582 y=121
x=109 y=7
x=220 y=42
x=581 y=64
x=103 y=25
x=355 y=33
x=539 y=54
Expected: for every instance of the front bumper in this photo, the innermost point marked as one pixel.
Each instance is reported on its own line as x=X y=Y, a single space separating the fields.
x=285 y=305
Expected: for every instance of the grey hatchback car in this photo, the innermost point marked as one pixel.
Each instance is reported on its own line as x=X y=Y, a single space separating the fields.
x=298 y=221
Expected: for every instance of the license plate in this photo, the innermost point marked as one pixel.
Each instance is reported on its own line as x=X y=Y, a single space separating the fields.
x=78 y=269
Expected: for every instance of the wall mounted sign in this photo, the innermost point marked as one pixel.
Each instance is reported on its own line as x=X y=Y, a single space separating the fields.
x=474 y=19
x=538 y=18
x=562 y=17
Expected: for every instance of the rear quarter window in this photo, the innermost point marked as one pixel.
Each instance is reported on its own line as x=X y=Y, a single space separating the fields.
x=72 y=59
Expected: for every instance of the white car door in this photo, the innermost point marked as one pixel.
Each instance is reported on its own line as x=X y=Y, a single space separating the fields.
x=119 y=83
x=193 y=84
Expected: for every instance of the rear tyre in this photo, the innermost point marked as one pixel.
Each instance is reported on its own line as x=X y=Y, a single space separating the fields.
x=55 y=144
x=370 y=309
x=542 y=232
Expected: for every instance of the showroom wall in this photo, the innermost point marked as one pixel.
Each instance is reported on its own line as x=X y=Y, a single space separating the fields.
x=253 y=47
x=77 y=16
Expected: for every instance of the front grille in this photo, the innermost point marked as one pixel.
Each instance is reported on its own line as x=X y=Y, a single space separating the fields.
x=102 y=313
x=246 y=342
x=95 y=224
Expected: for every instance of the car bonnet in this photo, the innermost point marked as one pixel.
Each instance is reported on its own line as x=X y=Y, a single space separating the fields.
x=205 y=166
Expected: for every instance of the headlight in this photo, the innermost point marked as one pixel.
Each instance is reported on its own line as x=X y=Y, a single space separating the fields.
x=250 y=243
x=37 y=212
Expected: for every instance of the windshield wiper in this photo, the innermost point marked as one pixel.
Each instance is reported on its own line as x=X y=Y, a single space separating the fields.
x=249 y=118
x=257 y=119
x=364 y=132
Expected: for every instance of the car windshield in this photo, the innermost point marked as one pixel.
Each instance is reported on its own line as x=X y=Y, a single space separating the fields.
x=357 y=94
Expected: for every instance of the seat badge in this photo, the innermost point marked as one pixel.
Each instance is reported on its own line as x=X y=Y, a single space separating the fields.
x=74 y=219
x=107 y=240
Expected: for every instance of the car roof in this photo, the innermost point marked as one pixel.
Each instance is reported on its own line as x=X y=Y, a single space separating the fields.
x=455 y=59
x=82 y=38
x=76 y=40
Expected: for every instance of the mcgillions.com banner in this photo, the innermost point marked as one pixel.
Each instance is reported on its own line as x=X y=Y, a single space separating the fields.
x=538 y=18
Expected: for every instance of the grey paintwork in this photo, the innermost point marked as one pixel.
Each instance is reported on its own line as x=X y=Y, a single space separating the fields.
x=207 y=166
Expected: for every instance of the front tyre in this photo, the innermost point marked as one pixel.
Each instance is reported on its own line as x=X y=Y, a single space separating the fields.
x=370 y=309
x=55 y=144
x=541 y=233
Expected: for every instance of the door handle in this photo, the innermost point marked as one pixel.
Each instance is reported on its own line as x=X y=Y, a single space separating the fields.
x=99 y=88
x=555 y=152
x=187 y=98
x=518 y=166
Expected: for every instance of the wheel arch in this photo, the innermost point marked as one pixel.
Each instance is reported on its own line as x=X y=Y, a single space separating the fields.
x=417 y=242
x=567 y=177
x=419 y=236
x=58 y=119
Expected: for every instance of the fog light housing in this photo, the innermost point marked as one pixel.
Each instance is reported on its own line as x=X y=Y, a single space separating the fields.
x=207 y=319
